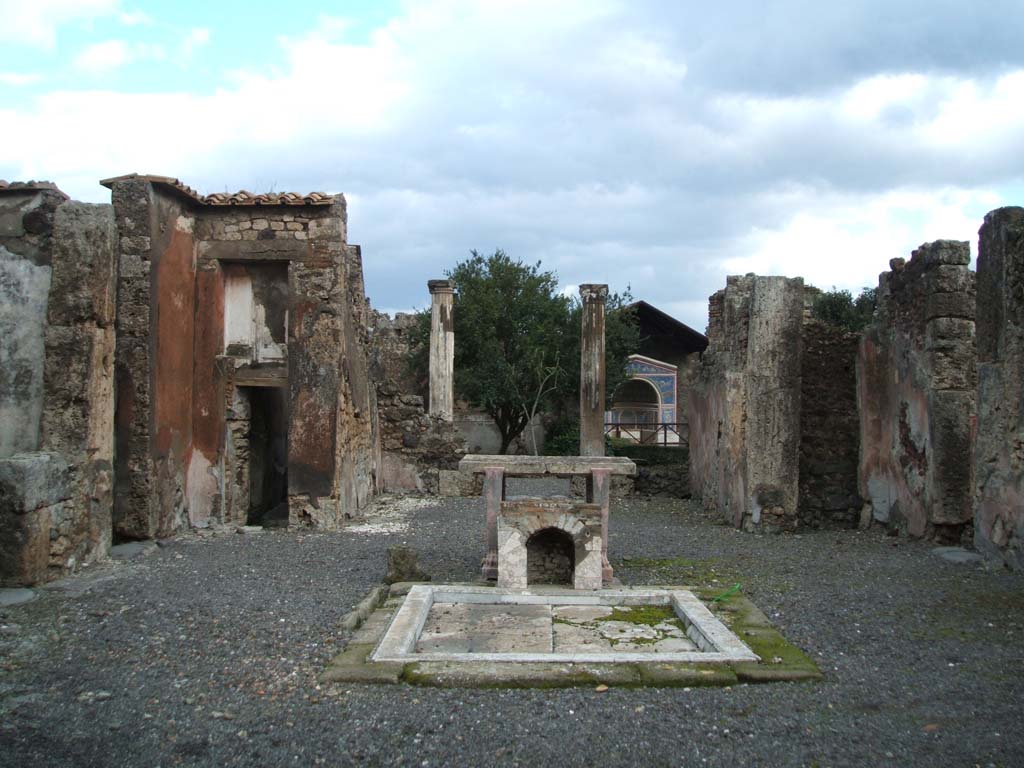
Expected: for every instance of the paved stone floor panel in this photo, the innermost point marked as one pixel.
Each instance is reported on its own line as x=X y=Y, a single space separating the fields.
x=484 y=628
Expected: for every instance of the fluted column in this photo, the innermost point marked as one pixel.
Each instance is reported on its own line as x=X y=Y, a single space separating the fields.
x=442 y=349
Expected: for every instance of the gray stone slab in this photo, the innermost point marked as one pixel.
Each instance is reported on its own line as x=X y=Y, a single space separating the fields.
x=481 y=628
x=16 y=596
x=958 y=555
x=131 y=550
x=374 y=627
x=526 y=466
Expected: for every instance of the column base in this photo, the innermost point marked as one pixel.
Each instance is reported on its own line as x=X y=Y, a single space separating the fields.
x=489 y=567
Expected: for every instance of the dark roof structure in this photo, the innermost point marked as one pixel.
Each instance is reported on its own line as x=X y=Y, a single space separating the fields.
x=662 y=336
x=242 y=197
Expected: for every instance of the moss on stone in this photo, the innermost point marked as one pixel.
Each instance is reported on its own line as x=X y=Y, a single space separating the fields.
x=648 y=615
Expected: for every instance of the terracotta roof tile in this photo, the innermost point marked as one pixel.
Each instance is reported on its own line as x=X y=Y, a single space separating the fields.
x=242 y=197
x=29 y=186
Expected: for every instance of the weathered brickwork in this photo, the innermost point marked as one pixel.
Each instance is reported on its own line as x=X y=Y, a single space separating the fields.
x=829 y=436
x=57 y=300
x=916 y=382
x=999 y=442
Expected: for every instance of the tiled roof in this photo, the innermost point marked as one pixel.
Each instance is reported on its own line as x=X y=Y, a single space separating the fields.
x=28 y=186
x=228 y=198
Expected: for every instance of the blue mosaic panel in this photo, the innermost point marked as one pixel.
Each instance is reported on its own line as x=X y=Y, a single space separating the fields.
x=664 y=381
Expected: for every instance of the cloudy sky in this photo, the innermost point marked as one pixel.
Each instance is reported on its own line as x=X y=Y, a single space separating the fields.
x=662 y=145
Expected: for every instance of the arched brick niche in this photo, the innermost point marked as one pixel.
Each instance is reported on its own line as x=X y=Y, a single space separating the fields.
x=549 y=541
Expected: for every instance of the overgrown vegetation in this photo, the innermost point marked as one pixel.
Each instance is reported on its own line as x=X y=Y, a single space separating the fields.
x=517 y=342
x=840 y=309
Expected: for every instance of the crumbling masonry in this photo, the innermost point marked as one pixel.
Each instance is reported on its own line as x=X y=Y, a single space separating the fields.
x=793 y=423
x=231 y=332
x=916 y=387
x=57 y=307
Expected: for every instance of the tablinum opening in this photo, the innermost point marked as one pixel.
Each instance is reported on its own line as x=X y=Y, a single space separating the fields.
x=550 y=557
x=268 y=456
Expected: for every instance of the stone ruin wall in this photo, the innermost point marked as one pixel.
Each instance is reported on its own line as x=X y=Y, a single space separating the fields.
x=744 y=408
x=57 y=304
x=772 y=412
x=829 y=428
x=916 y=394
x=999 y=442
x=419 y=452
x=180 y=424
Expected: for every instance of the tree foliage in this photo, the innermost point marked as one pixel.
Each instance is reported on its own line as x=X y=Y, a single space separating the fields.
x=841 y=309
x=517 y=341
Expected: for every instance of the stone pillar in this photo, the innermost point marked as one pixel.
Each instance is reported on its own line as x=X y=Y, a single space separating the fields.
x=599 y=483
x=442 y=349
x=999 y=435
x=494 y=493
x=592 y=370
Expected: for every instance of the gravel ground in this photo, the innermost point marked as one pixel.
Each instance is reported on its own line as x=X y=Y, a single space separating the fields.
x=205 y=652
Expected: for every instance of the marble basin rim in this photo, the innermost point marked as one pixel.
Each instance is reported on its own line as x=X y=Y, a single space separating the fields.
x=716 y=642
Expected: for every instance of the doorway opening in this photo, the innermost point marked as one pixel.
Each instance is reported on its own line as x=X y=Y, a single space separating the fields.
x=268 y=456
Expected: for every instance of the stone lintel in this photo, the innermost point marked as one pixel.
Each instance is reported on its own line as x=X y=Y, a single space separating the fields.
x=255 y=250
x=526 y=466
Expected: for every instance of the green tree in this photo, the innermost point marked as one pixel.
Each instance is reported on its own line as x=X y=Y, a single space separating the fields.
x=517 y=341
x=841 y=309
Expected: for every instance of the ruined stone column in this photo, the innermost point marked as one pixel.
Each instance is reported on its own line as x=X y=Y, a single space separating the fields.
x=592 y=370
x=442 y=349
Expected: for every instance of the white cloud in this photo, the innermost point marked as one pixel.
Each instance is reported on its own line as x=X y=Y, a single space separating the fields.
x=103 y=58
x=100 y=58
x=18 y=79
x=196 y=38
x=35 y=23
x=836 y=240
x=594 y=136
x=134 y=18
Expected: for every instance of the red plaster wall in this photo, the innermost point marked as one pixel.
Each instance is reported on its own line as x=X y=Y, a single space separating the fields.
x=175 y=306
x=207 y=405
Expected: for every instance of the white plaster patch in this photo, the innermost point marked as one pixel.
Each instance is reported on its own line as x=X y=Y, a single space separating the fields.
x=201 y=486
x=184 y=224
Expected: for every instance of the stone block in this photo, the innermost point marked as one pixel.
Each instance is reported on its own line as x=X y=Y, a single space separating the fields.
x=403 y=565
x=84 y=265
x=455 y=483
x=24 y=546
x=948 y=278
x=24 y=290
x=954 y=252
x=950 y=305
x=31 y=481
x=953 y=365
x=942 y=330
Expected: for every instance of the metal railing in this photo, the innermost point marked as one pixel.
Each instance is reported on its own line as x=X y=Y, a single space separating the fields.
x=644 y=433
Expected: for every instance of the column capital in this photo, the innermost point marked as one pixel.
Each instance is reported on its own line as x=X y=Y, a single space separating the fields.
x=594 y=292
x=440 y=286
